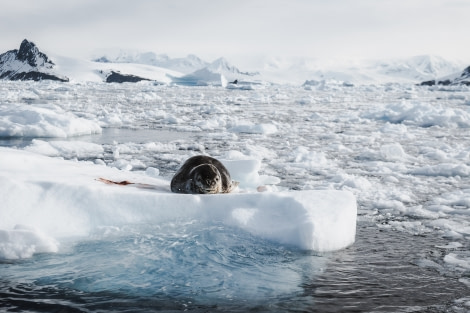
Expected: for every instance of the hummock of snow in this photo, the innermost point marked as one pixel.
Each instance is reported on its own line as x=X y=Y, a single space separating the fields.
x=19 y=120
x=246 y=171
x=59 y=199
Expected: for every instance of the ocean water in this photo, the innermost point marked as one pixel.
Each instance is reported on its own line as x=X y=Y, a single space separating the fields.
x=216 y=269
x=402 y=150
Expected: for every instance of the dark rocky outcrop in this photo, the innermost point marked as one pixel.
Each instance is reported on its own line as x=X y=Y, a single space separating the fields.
x=27 y=63
x=30 y=54
x=33 y=75
x=102 y=59
x=433 y=82
x=458 y=79
x=116 y=77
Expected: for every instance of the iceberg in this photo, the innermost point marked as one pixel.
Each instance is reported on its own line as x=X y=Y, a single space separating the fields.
x=55 y=199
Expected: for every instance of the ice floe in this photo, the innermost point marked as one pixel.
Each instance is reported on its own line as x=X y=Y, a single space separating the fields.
x=63 y=199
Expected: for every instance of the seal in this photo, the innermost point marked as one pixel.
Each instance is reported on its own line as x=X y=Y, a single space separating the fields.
x=202 y=174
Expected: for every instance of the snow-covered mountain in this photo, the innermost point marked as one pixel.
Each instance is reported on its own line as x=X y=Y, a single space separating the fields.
x=184 y=65
x=464 y=77
x=401 y=70
x=27 y=63
x=81 y=70
x=417 y=68
x=458 y=78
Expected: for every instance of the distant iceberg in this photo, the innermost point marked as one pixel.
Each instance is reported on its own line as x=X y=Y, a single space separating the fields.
x=218 y=73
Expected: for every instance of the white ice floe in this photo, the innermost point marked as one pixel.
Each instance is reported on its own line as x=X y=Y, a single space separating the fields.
x=421 y=114
x=64 y=199
x=458 y=261
x=19 y=120
x=444 y=169
x=251 y=128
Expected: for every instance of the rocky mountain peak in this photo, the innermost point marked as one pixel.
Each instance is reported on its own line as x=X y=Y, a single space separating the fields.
x=27 y=63
x=466 y=73
x=29 y=53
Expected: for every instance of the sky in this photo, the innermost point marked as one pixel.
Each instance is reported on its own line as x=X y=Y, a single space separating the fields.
x=240 y=29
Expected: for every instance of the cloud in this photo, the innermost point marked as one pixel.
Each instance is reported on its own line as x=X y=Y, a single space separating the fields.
x=212 y=28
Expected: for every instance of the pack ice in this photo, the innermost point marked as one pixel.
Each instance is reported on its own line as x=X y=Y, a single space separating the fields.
x=48 y=200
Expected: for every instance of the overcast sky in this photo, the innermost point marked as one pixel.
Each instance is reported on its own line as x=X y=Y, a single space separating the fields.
x=213 y=28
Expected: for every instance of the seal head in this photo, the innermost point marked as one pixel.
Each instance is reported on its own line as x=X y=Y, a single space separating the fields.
x=205 y=178
x=202 y=175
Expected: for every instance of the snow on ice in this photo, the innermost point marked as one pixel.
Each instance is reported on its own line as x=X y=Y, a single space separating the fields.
x=57 y=199
x=32 y=121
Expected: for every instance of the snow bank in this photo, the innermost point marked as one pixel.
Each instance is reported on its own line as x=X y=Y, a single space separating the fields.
x=246 y=171
x=19 y=120
x=63 y=199
x=421 y=114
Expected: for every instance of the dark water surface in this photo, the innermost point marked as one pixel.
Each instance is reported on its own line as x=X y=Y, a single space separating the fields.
x=379 y=273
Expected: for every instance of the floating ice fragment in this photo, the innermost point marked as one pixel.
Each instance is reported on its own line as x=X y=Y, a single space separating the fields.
x=451 y=245
x=393 y=152
x=303 y=157
x=445 y=169
x=421 y=114
x=249 y=128
x=457 y=261
x=152 y=171
x=29 y=121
